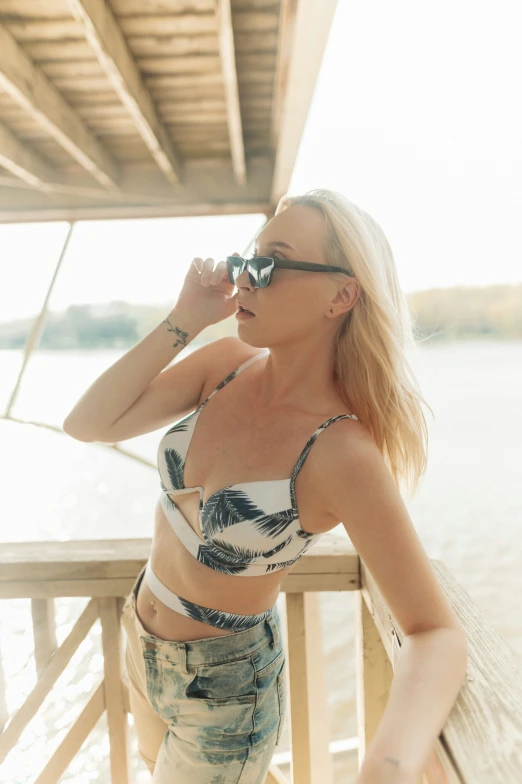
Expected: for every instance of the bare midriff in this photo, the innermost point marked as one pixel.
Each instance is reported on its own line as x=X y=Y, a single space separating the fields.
x=183 y=574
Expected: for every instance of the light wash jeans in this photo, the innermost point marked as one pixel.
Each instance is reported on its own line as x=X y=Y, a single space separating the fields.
x=208 y=711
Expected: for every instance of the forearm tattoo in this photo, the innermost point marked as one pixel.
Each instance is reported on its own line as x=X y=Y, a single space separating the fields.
x=394 y=762
x=179 y=332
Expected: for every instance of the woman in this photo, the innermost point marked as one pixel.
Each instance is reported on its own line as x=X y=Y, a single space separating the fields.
x=320 y=362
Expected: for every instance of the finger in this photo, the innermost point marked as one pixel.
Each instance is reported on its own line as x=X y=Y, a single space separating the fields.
x=208 y=268
x=197 y=263
x=219 y=272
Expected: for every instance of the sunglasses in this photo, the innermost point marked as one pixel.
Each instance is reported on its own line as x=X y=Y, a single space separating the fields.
x=261 y=268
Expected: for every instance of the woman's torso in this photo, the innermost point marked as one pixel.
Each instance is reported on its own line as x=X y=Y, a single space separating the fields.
x=228 y=446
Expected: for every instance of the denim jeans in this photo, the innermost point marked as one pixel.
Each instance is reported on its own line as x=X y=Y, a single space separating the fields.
x=208 y=711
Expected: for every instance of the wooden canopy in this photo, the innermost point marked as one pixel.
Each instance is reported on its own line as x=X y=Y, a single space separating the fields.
x=144 y=108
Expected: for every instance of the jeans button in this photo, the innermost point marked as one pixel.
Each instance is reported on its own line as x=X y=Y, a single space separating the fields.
x=150 y=646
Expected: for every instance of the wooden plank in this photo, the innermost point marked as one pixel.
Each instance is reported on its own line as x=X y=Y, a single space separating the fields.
x=29 y=86
x=209 y=189
x=263 y=63
x=202 y=44
x=97 y=194
x=106 y=39
x=113 y=668
x=108 y=568
x=21 y=160
x=178 y=65
x=126 y=212
x=54 y=9
x=34 y=9
x=74 y=48
x=292 y=583
x=228 y=66
x=66 y=51
x=52 y=672
x=155 y=7
x=312 y=26
x=194 y=24
x=75 y=69
x=116 y=558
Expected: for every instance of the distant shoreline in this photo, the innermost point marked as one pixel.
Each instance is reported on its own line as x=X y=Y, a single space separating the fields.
x=439 y=315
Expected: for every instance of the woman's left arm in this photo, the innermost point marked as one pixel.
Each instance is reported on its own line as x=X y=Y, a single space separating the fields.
x=359 y=490
x=428 y=675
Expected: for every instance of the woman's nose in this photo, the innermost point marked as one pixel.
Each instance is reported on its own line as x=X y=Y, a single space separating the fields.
x=243 y=280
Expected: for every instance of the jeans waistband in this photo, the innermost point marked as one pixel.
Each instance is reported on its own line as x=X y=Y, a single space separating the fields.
x=212 y=650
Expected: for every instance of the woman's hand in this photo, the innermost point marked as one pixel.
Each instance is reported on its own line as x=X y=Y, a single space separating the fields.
x=207 y=293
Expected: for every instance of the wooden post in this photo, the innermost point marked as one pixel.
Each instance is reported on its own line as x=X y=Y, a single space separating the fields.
x=44 y=632
x=310 y=731
x=374 y=675
x=115 y=702
x=4 y=713
x=38 y=325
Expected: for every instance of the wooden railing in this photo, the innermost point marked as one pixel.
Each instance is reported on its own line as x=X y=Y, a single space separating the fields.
x=481 y=742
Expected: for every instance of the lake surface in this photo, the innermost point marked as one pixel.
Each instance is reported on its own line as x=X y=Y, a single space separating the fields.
x=467 y=512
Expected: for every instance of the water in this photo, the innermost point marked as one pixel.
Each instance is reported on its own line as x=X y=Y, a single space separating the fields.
x=467 y=513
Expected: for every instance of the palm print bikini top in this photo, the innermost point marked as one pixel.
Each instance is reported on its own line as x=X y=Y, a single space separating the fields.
x=248 y=529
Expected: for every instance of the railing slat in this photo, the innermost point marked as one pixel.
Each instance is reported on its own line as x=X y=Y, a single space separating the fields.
x=274 y=776
x=75 y=738
x=52 y=672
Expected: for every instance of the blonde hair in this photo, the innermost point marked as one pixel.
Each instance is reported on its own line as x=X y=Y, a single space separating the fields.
x=372 y=373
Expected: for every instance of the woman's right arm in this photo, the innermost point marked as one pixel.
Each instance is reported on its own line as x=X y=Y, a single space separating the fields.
x=122 y=384
x=133 y=396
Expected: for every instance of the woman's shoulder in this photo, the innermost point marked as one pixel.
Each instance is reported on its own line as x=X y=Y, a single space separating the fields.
x=233 y=353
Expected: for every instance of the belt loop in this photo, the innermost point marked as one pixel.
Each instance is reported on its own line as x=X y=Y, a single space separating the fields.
x=275 y=631
x=183 y=658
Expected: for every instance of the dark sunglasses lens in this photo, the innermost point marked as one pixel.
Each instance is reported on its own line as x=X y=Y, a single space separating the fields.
x=235 y=266
x=259 y=269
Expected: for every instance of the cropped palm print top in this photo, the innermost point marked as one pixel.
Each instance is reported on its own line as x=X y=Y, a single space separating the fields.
x=250 y=528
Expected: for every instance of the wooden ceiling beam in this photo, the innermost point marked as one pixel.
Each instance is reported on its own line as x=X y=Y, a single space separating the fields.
x=228 y=66
x=106 y=39
x=312 y=25
x=21 y=161
x=287 y=12
x=134 y=212
x=210 y=188
x=30 y=88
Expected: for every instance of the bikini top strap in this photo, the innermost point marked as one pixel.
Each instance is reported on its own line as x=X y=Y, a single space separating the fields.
x=235 y=373
x=306 y=450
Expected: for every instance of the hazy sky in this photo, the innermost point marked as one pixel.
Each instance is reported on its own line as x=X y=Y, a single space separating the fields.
x=415 y=118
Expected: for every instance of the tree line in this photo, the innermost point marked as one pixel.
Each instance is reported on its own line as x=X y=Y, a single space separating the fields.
x=460 y=312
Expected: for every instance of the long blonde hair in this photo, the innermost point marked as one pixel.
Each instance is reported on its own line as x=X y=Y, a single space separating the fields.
x=371 y=371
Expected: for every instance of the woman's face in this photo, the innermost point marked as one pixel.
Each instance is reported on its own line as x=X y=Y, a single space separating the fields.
x=295 y=301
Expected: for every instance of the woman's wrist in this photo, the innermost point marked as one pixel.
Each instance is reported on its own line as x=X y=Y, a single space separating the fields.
x=189 y=323
x=386 y=771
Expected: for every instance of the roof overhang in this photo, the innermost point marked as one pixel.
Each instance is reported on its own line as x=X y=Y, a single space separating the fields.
x=153 y=108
